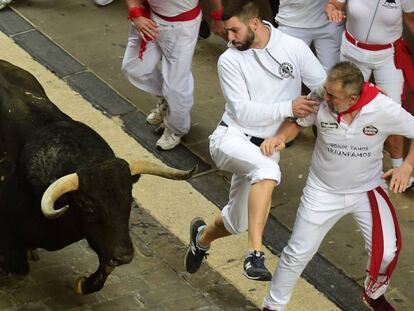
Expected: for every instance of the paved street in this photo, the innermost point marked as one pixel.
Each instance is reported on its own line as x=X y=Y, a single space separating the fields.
x=83 y=45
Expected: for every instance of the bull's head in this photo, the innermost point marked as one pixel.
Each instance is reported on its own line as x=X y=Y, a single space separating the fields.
x=103 y=195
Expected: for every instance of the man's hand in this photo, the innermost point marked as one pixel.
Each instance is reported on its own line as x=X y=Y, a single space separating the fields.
x=302 y=107
x=333 y=14
x=217 y=27
x=146 y=27
x=399 y=177
x=271 y=145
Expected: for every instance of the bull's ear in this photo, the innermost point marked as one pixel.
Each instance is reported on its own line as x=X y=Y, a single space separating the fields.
x=7 y=166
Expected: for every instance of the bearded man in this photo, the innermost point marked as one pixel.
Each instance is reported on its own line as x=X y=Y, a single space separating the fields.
x=261 y=74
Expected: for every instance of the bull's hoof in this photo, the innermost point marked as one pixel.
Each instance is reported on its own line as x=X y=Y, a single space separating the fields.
x=79 y=284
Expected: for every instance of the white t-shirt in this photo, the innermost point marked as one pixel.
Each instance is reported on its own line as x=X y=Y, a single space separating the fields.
x=376 y=21
x=260 y=84
x=348 y=159
x=302 y=13
x=172 y=7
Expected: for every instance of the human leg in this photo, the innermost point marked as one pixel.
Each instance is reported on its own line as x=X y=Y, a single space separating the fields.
x=177 y=45
x=300 y=33
x=232 y=151
x=377 y=220
x=178 y=49
x=318 y=212
x=327 y=43
x=391 y=80
x=202 y=234
x=259 y=202
x=143 y=74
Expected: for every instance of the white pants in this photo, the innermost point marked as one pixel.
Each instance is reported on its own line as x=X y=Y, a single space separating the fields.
x=173 y=49
x=380 y=64
x=318 y=212
x=232 y=151
x=326 y=39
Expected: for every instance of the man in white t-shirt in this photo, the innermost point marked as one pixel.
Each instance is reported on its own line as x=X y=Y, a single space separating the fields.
x=164 y=33
x=261 y=74
x=373 y=41
x=306 y=20
x=346 y=177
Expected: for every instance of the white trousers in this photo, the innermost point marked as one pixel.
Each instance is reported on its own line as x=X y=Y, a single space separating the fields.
x=326 y=39
x=232 y=151
x=318 y=212
x=173 y=50
x=378 y=63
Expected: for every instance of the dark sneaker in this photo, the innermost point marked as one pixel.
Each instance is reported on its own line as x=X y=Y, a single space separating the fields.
x=194 y=255
x=379 y=304
x=254 y=267
x=267 y=309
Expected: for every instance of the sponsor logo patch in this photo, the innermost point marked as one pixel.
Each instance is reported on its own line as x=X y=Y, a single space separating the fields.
x=370 y=130
x=329 y=125
x=390 y=4
x=285 y=70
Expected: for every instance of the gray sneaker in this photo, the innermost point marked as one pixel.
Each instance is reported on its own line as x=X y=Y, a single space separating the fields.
x=157 y=114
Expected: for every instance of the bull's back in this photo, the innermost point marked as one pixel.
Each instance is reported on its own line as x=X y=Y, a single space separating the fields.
x=24 y=105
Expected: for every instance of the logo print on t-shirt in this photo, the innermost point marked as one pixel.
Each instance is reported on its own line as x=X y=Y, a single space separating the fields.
x=285 y=70
x=328 y=126
x=370 y=130
x=390 y=4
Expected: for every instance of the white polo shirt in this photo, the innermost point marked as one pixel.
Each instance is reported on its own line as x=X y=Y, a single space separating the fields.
x=348 y=159
x=376 y=21
x=260 y=84
x=302 y=13
x=172 y=7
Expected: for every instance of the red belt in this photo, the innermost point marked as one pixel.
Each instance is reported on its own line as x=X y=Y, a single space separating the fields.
x=183 y=17
x=366 y=46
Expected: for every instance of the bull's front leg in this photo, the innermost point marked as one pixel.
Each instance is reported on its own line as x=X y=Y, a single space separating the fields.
x=92 y=283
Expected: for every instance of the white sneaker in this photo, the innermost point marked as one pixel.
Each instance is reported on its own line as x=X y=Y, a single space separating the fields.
x=168 y=140
x=4 y=3
x=102 y=2
x=157 y=115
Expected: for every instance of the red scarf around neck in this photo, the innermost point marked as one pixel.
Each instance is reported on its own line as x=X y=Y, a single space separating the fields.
x=369 y=92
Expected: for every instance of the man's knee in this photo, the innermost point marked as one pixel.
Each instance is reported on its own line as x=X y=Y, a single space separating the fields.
x=292 y=257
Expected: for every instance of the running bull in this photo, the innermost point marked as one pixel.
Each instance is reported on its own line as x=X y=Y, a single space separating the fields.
x=53 y=166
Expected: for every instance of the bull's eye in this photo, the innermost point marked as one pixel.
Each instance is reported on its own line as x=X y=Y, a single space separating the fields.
x=89 y=213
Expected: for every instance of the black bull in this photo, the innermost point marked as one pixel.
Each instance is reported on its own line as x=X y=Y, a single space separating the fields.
x=53 y=166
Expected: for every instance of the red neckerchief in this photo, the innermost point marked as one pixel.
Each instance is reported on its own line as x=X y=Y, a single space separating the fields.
x=369 y=92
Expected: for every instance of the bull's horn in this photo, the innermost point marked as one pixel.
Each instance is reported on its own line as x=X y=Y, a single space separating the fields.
x=59 y=187
x=151 y=168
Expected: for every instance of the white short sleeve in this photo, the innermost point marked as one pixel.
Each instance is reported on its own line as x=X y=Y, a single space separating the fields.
x=407 y=6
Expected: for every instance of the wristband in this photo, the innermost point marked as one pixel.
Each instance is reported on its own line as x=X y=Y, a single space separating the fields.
x=216 y=14
x=135 y=12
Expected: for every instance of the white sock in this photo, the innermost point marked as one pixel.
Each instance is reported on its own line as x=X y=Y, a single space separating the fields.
x=396 y=162
x=199 y=245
